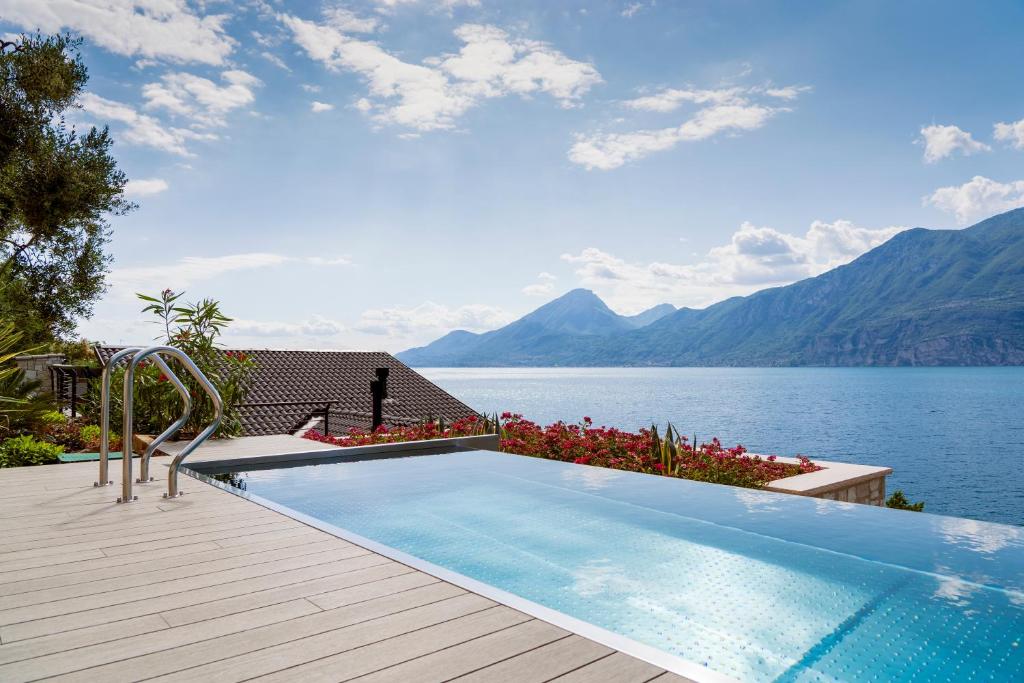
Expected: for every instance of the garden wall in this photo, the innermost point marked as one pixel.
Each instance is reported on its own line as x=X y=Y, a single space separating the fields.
x=37 y=368
x=843 y=481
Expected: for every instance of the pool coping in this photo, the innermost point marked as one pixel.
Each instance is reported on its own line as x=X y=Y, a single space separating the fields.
x=628 y=646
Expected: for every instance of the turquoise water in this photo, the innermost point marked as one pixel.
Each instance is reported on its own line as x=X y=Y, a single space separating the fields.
x=954 y=436
x=752 y=585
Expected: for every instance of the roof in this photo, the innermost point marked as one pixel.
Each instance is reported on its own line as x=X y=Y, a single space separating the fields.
x=307 y=381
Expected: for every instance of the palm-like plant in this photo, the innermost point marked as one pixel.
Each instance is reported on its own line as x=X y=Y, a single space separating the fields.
x=21 y=404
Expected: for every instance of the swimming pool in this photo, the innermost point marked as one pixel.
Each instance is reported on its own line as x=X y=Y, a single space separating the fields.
x=745 y=584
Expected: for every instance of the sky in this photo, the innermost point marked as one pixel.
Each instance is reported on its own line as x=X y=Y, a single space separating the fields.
x=373 y=174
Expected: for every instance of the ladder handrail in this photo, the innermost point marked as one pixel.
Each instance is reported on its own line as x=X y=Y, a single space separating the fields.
x=129 y=400
x=186 y=399
x=105 y=381
x=108 y=370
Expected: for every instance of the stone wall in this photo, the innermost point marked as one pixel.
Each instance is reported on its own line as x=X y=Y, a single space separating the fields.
x=37 y=367
x=870 y=492
x=842 y=481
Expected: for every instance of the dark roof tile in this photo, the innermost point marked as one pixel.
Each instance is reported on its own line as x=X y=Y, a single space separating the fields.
x=307 y=380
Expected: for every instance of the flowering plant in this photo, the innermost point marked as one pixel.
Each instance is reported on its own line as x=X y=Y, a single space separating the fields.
x=195 y=329
x=646 y=450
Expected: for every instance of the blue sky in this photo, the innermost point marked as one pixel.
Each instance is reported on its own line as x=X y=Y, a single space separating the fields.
x=373 y=174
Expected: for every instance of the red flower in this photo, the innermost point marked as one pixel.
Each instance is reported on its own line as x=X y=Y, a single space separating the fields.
x=163 y=378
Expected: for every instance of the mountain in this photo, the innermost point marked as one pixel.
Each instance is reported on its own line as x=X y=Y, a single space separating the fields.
x=925 y=297
x=652 y=314
x=579 y=314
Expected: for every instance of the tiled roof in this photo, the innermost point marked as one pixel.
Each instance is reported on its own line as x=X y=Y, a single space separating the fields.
x=308 y=380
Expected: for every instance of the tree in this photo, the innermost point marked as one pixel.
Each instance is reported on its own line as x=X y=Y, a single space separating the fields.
x=57 y=189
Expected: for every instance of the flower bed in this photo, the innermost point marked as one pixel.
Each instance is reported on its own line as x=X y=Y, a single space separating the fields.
x=646 y=451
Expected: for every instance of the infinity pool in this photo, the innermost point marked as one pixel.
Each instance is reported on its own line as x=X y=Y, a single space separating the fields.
x=745 y=584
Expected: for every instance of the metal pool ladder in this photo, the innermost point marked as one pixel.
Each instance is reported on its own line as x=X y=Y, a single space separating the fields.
x=139 y=354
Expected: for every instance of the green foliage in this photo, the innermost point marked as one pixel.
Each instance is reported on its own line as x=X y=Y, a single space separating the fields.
x=900 y=502
x=21 y=406
x=193 y=328
x=89 y=438
x=20 y=451
x=53 y=417
x=57 y=188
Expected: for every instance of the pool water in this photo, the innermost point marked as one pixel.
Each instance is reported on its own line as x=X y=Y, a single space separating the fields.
x=752 y=585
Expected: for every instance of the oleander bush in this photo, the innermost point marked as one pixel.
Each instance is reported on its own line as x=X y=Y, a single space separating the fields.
x=19 y=451
x=195 y=329
x=646 y=450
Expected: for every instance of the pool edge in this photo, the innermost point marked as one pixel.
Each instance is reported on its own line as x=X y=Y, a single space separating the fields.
x=628 y=646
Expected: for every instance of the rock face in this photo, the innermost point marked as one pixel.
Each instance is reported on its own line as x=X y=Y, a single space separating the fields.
x=925 y=297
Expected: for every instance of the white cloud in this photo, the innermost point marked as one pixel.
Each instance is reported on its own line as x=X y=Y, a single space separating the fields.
x=199 y=99
x=670 y=99
x=145 y=187
x=789 y=92
x=629 y=10
x=317 y=326
x=347 y=21
x=434 y=94
x=311 y=88
x=942 y=141
x=158 y=29
x=318 y=107
x=543 y=287
x=389 y=6
x=429 y=319
x=1012 y=133
x=275 y=60
x=606 y=151
x=722 y=110
x=978 y=198
x=753 y=258
x=191 y=269
x=141 y=129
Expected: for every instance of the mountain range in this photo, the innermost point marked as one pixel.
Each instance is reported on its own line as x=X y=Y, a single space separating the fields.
x=925 y=297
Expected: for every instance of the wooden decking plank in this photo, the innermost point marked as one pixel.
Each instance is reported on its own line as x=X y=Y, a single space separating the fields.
x=85 y=582
x=232 y=535
x=130 y=543
x=102 y=561
x=375 y=581
x=131 y=592
x=132 y=580
x=617 y=668
x=60 y=642
x=127 y=610
x=541 y=664
x=86 y=530
x=395 y=649
x=147 y=643
x=189 y=662
x=471 y=655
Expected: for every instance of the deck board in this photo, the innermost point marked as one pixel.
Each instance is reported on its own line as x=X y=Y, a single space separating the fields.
x=214 y=587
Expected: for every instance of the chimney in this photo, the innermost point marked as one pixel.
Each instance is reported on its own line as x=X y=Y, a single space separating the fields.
x=379 y=392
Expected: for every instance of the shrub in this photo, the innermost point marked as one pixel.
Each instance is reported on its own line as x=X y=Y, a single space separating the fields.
x=53 y=417
x=899 y=501
x=21 y=405
x=646 y=451
x=194 y=329
x=20 y=451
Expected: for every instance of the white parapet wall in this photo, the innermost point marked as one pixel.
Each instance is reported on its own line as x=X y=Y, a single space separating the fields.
x=836 y=481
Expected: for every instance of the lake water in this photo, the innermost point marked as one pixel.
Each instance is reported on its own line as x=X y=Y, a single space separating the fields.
x=954 y=436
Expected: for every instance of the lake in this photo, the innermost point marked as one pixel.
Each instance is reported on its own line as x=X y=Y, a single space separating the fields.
x=953 y=436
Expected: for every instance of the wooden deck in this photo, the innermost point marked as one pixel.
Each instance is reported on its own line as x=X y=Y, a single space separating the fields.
x=212 y=587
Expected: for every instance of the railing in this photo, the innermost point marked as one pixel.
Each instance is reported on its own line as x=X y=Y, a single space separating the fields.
x=137 y=356
x=65 y=379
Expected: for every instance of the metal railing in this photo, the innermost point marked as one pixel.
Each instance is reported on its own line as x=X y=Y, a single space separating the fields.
x=128 y=398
